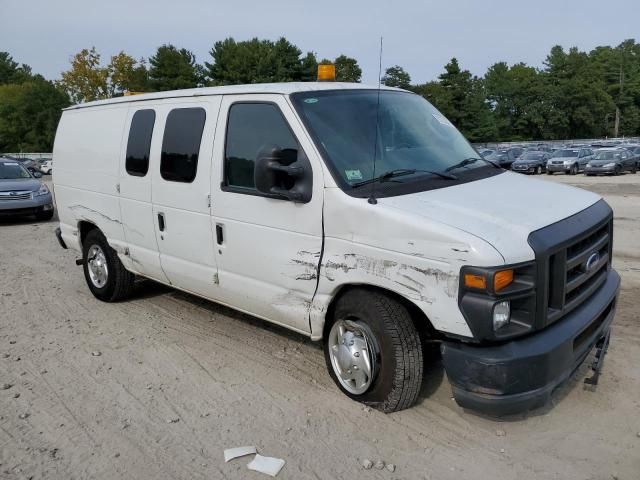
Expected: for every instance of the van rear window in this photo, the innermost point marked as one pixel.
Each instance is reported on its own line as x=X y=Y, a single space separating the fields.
x=181 y=144
x=139 y=144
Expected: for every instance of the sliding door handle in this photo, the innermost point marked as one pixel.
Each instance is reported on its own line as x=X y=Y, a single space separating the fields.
x=161 y=222
x=219 y=234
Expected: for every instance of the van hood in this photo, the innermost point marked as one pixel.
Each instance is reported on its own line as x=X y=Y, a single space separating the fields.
x=20 y=184
x=501 y=210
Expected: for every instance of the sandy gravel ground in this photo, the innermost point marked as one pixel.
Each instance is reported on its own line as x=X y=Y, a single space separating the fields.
x=157 y=387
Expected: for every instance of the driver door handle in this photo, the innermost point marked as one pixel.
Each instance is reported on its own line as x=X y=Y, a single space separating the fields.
x=161 y=222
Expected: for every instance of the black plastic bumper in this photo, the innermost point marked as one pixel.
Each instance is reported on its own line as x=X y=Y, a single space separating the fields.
x=520 y=375
x=59 y=237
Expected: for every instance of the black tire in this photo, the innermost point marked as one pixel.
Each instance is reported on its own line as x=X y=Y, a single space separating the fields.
x=398 y=363
x=549 y=172
x=119 y=282
x=538 y=170
x=573 y=170
x=617 y=171
x=634 y=169
x=44 y=215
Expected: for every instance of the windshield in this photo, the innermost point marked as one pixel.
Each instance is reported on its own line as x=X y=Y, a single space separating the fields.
x=410 y=135
x=12 y=171
x=533 y=156
x=607 y=155
x=565 y=153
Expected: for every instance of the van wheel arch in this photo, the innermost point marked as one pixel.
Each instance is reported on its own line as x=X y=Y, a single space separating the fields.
x=84 y=227
x=420 y=319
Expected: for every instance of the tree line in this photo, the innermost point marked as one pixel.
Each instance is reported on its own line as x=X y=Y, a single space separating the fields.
x=575 y=94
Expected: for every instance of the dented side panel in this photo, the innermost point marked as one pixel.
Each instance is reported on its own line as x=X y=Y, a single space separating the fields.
x=376 y=245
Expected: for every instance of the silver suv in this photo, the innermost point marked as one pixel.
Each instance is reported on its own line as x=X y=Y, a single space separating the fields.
x=569 y=160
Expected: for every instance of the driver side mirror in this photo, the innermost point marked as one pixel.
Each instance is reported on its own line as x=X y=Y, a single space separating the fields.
x=284 y=173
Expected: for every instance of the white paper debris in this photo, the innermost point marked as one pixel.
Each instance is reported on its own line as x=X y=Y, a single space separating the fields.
x=269 y=465
x=231 y=453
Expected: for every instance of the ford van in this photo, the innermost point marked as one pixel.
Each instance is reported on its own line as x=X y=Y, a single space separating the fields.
x=357 y=216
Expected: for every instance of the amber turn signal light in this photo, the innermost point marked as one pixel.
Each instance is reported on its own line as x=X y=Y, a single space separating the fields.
x=475 y=281
x=502 y=279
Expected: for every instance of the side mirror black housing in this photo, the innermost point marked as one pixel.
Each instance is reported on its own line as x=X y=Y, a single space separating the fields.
x=37 y=174
x=284 y=173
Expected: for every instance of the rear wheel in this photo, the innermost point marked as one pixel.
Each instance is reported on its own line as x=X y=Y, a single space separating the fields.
x=373 y=351
x=106 y=277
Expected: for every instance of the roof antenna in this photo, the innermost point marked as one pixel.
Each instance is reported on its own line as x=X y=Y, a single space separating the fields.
x=372 y=199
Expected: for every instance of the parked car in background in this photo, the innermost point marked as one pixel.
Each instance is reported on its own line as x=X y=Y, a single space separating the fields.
x=29 y=164
x=611 y=161
x=569 y=160
x=22 y=193
x=485 y=152
x=531 y=162
x=47 y=167
x=505 y=157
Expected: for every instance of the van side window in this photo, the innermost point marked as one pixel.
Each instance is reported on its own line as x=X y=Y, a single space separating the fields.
x=250 y=128
x=181 y=144
x=139 y=144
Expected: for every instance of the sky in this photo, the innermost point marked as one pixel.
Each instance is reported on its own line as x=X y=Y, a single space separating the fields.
x=419 y=35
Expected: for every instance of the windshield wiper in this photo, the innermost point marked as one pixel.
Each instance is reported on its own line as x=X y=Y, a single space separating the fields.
x=401 y=172
x=469 y=161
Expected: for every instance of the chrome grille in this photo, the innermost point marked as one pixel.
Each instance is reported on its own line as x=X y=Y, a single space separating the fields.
x=19 y=195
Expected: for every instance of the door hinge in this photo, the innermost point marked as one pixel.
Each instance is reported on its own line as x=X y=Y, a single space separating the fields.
x=118 y=187
x=209 y=201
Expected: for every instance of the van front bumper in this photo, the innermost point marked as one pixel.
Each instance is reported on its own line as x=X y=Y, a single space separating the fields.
x=519 y=375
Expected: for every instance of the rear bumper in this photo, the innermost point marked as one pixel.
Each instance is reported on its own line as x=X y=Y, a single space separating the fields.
x=520 y=375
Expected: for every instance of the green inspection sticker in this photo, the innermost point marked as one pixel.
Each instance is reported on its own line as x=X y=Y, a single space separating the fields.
x=310 y=100
x=353 y=174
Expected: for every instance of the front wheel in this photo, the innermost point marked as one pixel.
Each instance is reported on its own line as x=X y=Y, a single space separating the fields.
x=373 y=350
x=573 y=170
x=106 y=277
x=549 y=172
x=538 y=170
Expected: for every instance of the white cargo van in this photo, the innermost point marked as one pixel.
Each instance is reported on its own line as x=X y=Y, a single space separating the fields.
x=356 y=216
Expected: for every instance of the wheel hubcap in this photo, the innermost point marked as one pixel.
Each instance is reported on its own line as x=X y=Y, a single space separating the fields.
x=97 y=266
x=350 y=350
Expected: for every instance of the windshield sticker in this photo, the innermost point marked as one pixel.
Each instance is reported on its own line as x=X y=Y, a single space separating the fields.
x=9 y=163
x=353 y=174
x=310 y=100
x=443 y=120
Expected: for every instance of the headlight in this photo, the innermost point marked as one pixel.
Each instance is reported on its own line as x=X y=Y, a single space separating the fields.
x=498 y=302
x=501 y=315
x=568 y=162
x=589 y=164
x=608 y=165
x=43 y=191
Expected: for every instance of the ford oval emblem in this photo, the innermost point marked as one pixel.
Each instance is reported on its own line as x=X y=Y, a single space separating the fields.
x=593 y=259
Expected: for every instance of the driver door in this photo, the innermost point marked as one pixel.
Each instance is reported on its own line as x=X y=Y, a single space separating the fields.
x=268 y=248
